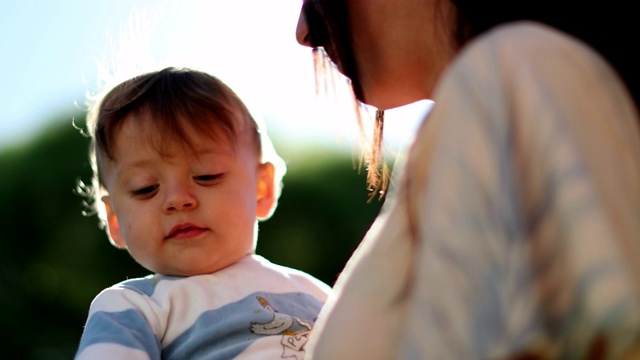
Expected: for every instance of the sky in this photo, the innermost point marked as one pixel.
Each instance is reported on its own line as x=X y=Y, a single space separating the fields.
x=54 y=53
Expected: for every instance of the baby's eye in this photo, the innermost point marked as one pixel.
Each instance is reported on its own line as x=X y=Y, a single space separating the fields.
x=146 y=191
x=208 y=179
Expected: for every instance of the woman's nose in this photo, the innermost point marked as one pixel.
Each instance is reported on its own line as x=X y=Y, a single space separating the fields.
x=302 y=30
x=179 y=199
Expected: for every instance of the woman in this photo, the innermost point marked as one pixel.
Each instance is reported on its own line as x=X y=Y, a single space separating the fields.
x=513 y=228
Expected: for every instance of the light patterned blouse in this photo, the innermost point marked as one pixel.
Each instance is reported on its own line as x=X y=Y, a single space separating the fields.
x=513 y=227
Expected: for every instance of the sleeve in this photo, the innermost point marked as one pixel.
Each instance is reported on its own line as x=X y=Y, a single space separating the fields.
x=524 y=189
x=122 y=324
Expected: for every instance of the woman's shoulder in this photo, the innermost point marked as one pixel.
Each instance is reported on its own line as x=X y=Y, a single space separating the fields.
x=525 y=34
x=526 y=57
x=532 y=45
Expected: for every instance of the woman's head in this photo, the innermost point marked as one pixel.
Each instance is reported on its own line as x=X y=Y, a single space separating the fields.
x=393 y=52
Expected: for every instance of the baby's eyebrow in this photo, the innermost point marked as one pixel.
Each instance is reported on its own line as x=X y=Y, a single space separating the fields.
x=128 y=169
x=199 y=152
x=205 y=150
x=133 y=164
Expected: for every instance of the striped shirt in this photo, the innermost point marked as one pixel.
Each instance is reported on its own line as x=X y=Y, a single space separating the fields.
x=251 y=309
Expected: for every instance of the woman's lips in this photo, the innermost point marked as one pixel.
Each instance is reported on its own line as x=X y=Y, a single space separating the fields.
x=185 y=231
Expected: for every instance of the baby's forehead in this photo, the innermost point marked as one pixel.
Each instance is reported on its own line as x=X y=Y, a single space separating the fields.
x=168 y=138
x=170 y=134
x=139 y=147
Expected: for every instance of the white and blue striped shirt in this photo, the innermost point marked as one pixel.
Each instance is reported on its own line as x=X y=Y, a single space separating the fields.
x=251 y=309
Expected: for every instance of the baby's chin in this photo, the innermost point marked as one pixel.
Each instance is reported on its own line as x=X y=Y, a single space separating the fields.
x=194 y=269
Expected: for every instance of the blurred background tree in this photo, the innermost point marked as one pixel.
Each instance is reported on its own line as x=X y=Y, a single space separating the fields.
x=55 y=260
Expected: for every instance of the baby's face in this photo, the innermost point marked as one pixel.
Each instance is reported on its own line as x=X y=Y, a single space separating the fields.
x=182 y=212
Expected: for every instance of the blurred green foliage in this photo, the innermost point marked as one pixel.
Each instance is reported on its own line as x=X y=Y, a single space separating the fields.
x=54 y=260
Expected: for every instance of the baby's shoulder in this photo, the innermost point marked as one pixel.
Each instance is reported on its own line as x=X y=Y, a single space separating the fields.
x=280 y=273
x=145 y=286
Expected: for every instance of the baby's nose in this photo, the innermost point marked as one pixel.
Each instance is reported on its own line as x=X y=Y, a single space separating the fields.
x=179 y=199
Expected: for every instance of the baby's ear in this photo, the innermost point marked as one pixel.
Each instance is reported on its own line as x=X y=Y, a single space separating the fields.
x=266 y=199
x=113 y=226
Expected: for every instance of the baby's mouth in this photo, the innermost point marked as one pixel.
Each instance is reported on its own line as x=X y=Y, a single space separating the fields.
x=185 y=231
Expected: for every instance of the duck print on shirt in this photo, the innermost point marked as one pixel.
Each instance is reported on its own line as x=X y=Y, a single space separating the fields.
x=293 y=342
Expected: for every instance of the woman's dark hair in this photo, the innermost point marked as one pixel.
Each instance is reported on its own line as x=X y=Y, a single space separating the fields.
x=329 y=35
x=328 y=25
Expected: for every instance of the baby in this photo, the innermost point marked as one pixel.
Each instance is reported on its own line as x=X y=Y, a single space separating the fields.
x=183 y=174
